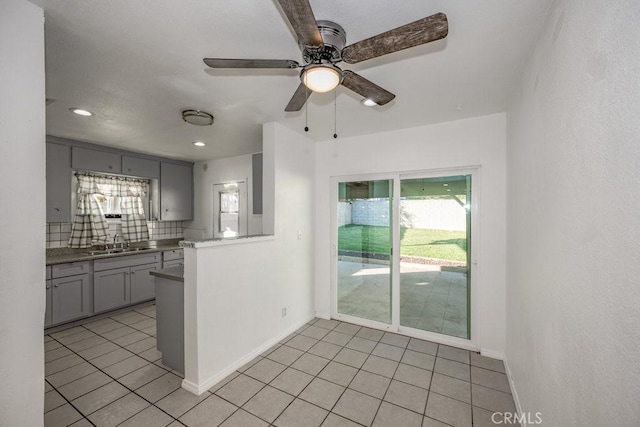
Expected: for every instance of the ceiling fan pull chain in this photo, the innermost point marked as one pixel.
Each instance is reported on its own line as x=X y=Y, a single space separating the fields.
x=335 y=114
x=306 y=111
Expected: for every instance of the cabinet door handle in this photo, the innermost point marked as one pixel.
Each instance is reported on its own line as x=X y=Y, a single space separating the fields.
x=48 y=287
x=55 y=286
x=133 y=272
x=110 y=167
x=58 y=209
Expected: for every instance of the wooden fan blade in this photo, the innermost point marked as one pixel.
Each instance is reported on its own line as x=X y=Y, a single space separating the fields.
x=250 y=63
x=300 y=16
x=366 y=88
x=299 y=98
x=425 y=30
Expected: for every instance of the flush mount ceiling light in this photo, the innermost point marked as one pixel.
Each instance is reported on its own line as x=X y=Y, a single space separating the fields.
x=321 y=77
x=197 y=117
x=368 y=102
x=81 y=112
x=199 y=144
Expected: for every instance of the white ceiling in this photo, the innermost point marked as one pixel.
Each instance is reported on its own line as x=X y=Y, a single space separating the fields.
x=137 y=64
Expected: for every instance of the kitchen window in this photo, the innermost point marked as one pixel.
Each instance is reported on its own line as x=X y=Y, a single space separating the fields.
x=99 y=197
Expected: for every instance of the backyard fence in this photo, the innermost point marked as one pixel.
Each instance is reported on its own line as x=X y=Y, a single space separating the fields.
x=435 y=214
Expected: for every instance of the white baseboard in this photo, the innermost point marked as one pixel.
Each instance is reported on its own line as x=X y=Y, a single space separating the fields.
x=514 y=391
x=198 y=389
x=325 y=316
x=492 y=354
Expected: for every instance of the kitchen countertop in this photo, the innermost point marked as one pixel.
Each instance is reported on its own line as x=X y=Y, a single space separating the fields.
x=64 y=255
x=172 y=273
x=219 y=241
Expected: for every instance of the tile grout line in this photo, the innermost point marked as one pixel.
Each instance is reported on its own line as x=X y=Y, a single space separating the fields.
x=68 y=402
x=267 y=353
x=116 y=380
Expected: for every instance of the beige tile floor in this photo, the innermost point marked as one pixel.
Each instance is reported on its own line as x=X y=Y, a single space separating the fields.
x=329 y=373
x=430 y=299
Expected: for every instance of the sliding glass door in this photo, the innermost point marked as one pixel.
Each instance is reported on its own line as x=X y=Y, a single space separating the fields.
x=364 y=249
x=434 y=237
x=405 y=261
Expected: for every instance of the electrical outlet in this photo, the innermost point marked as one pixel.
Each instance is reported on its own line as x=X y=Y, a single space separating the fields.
x=284 y=311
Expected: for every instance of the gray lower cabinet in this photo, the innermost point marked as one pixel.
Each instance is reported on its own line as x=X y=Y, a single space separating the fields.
x=47 y=313
x=173 y=263
x=122 y=281
x=68 y=292
x=70 y=298
x=172 y=258
x=142 y=283
x=111 y=289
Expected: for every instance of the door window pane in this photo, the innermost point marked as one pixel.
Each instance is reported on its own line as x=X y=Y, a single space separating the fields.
x=434 y=255
x=364 y=249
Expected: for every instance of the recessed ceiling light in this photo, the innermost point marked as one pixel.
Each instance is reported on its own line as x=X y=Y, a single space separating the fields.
x=368 y=102
x=199 y=144
x=445 y=185
x=81 y=112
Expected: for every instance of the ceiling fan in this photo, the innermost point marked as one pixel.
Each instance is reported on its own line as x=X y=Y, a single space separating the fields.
x=323 y=46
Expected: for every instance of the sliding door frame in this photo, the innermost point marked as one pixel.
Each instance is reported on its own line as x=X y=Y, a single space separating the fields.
x=334 y=249
x=474 y=298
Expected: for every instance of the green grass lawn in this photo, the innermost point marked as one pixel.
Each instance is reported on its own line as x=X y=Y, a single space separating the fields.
x=442 y=244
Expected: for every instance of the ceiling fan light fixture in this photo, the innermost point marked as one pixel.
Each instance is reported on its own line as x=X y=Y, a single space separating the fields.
x=321 y=77
x=368 y=102
x=197 y=117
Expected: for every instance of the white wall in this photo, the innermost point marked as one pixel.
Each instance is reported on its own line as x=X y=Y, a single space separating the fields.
x=573 y=318
x=22 y=209
x=240 y=289
x=205 y=175
x=478 y=141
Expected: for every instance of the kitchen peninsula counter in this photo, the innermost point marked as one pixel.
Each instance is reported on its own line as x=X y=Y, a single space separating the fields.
x=205 y=243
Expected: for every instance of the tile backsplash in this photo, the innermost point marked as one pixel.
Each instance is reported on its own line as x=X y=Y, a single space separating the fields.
x=58 y=232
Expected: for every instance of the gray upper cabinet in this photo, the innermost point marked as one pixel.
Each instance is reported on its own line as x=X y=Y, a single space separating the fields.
x=176 y=192
x=58 y=183
x=136 y=166
x=95 y=160
x=256 y=174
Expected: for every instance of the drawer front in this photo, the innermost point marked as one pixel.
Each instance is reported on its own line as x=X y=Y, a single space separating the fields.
x=126 y=261
x=173 y=263
x=173 y=254
x=70 y=269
